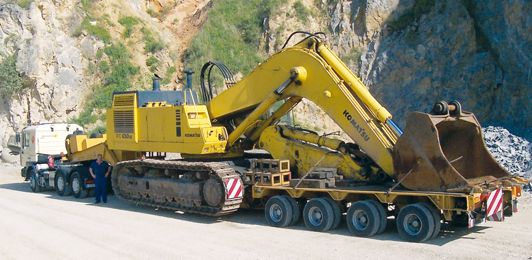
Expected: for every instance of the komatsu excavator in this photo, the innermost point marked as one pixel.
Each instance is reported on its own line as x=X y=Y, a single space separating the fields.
x=437 y=169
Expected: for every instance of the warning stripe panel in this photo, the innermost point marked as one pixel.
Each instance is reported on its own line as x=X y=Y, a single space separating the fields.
x=495 y=206
x=234 y=188
x=494 y=202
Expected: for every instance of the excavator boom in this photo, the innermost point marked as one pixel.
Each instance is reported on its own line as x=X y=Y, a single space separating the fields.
x=438 y=152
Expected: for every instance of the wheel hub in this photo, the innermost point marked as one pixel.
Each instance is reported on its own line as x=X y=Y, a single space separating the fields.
x=75 y=185
x=60 y=183
x=360 y=220
x=316 y=216
x=412 y=224
x=276 y=213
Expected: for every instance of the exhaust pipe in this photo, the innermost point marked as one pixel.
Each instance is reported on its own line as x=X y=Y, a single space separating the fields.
x=156 y=83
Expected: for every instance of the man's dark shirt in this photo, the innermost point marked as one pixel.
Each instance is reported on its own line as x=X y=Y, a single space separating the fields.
x=99 y=170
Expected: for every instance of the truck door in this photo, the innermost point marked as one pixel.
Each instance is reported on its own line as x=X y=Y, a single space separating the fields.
x=27 y=151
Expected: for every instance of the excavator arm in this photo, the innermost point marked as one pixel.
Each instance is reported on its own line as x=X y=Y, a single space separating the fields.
x=309 y=70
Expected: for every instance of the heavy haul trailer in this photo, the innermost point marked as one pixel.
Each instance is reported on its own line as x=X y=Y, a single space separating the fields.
x=419 y=215
x=438 y=168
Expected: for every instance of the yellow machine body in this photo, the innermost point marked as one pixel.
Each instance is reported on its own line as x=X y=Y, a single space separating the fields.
x=161 y=127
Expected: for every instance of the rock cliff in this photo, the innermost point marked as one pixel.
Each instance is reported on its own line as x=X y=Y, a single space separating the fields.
x=59 y=47
x=409 y=53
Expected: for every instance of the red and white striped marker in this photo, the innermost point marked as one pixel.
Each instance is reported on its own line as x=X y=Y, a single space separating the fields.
x=494 y=203
x=234 y=188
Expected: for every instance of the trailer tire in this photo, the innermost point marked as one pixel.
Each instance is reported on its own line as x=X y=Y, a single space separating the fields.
x=382 y=215
x=34 y=182
x=318 y=215
x=363 y=219
x=336 y=211
x=296 y=210
x=61 y=184
x=77 y=189
x=278 y=212
x=436 y=216
x=415 y=223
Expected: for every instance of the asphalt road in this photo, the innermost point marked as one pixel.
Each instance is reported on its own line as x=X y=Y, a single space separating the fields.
x=47 y=226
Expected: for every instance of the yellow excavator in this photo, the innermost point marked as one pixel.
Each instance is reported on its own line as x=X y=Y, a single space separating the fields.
x=438 y=167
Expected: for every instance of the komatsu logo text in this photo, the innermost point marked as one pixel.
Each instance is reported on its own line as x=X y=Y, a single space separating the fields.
x=357 y=127
x=192 y=135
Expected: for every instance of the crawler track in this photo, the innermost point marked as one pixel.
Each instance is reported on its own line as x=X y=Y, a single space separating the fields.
x=170 y=172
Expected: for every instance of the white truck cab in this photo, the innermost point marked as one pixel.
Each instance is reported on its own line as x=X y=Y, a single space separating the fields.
x=44 y=139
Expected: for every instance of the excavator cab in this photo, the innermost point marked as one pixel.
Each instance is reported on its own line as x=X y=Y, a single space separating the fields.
x=444 y=151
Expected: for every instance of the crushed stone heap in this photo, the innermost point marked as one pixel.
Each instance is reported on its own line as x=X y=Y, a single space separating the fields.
x=513 y=152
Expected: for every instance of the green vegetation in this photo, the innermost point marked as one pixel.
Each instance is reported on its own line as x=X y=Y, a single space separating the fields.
x=99 y=130
x=152 y=41
x=152 y=13
x=420 y=8
x=353 y=55
x=302 y=12
x=12 y=81
x=151 y=60
x=169 y=72
x=231 y=34
x=22 y=3
x=129 y=23
x=153 y=63
x=104 y=67
x=87 y=6
x=118 y=76
x=94 y=30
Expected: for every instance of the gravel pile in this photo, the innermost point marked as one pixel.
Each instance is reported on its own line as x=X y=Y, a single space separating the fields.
x=511 y=151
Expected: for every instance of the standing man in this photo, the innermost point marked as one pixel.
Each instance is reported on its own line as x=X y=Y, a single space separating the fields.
x=100 y=169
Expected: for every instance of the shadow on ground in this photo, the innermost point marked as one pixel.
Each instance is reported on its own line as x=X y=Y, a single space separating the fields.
x=249 y=217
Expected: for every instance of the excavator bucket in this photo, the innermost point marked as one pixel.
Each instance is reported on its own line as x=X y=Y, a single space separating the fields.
x=444 y=152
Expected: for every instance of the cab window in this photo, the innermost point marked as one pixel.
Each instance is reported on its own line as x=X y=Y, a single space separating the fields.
x=26 y=140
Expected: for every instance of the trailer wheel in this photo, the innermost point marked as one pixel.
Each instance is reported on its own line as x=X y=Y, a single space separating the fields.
x=61 y=185
x=278 y=212
x=363 y=219
x=77 y=190
x=382 y=215
x=336 y=211
x=318 y=215
x=435 y=216
x=415 y=223
x=34 y=183
x=296 y=210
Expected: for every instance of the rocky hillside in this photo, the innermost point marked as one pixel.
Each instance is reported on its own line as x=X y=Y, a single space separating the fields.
x=62 y=59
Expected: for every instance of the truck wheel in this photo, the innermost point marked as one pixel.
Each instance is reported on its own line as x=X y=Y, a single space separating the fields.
x=436 y=216
x=278 y=212
x=77 y=189
x=34 y=183
x=336 y=212
x=415 y=223
x=363 y=219
x=296 y=210
x=382 y=215
x=61 y=185
x=318 y=215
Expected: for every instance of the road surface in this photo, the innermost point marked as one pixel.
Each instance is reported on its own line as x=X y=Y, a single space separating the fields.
x=47 y=226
